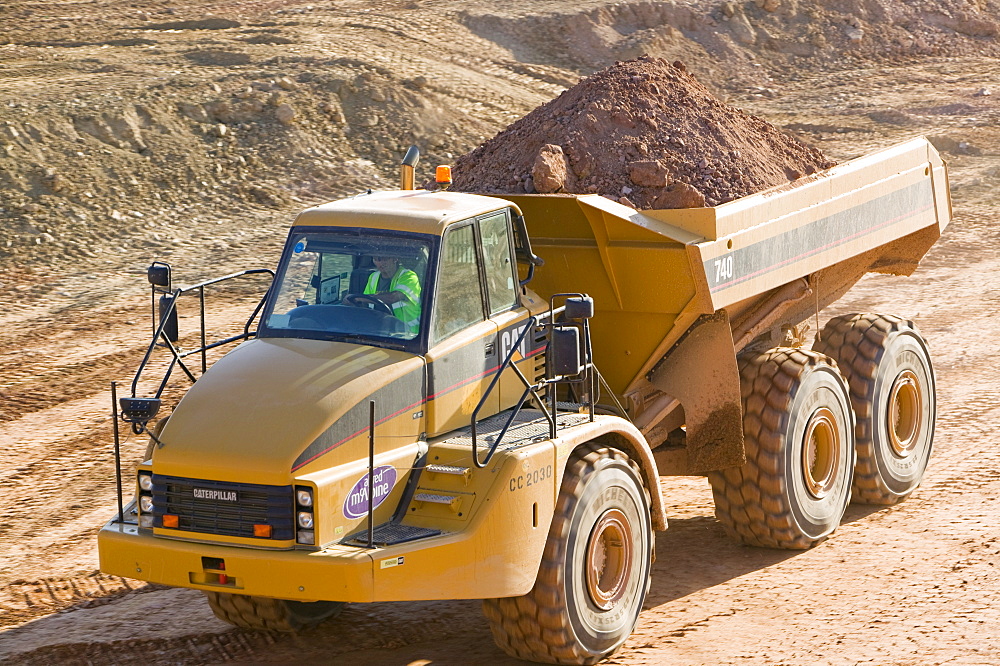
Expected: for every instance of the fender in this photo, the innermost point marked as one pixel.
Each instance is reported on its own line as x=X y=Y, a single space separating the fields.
x=620 y=434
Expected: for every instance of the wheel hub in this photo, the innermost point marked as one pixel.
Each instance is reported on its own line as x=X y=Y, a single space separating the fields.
x=905 y=406
x=609 y=559
x=821 y=453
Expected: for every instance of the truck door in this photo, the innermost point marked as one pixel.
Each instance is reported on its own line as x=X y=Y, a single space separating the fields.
x=504 y=306
x=463 y=354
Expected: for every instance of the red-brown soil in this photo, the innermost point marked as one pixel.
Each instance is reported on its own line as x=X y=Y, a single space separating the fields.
x=642 y=132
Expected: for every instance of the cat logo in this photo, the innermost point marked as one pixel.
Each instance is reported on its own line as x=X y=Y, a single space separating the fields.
x=509 y=337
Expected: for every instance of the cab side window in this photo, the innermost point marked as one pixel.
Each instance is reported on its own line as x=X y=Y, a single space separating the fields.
x=459 y=298
x=501 y=281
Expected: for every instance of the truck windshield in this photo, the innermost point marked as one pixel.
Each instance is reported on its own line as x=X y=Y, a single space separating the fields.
x=351 y=282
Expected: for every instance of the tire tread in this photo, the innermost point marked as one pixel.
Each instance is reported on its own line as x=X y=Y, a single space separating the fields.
x=750 y=501
x=260 y=613
x=857 y=341
x=532 y=627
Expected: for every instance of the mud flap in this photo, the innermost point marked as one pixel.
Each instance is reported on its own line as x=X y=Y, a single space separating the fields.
x=701 y=372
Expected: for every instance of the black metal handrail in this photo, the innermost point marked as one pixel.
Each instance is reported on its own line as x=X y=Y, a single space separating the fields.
x=140 y=418
x=586 y=378
x=162 y=340
x=529 y=388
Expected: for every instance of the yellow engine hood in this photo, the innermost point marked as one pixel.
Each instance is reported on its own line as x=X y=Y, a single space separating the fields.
x=259 y=407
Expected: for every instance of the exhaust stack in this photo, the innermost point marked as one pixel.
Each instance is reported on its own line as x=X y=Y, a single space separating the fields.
x=407 y=168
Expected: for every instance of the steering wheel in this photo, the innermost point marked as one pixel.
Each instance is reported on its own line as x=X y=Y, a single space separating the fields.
x=361 y=300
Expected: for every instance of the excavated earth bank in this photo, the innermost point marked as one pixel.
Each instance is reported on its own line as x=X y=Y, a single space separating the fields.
x=642 y=132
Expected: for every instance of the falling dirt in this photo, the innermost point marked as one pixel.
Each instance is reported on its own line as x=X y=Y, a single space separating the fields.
x=124 y=139
x=642 y=132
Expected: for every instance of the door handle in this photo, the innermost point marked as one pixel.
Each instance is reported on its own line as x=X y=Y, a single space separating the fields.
x=490 y=348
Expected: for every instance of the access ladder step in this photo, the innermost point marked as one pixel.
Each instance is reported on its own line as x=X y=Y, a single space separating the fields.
x=449 y=500
x=447 y=469
x=392 y=533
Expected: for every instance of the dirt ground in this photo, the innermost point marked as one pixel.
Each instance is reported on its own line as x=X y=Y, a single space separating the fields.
x=127 y=135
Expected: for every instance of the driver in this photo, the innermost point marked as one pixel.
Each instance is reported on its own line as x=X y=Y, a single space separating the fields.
x=397 y=287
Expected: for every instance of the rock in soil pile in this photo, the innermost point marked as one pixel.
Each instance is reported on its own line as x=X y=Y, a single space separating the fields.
x=644 y=133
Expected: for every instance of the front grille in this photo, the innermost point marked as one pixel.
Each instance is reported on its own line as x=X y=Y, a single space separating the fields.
x=219 y=507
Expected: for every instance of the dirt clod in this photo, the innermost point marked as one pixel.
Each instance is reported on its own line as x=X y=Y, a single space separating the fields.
x=645 y=130
x=550 y=170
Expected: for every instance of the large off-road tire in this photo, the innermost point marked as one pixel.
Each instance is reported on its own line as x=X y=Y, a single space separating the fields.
x=594 y=573
x=798 y=432
x=888 y=370
x=263 y=613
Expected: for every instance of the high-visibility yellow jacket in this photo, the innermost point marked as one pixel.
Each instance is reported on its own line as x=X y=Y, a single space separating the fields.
x=405 y=282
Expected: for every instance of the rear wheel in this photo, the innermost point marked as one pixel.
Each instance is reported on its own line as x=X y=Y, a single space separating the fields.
x=888 y=369
x=798 y=435
x=594 y=573
x=264 y=613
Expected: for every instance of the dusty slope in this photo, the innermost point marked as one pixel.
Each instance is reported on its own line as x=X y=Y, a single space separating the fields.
x=126 y=127
x=913 y=584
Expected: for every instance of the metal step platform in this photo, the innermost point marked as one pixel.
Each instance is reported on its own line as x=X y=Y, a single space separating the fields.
x=389 y=534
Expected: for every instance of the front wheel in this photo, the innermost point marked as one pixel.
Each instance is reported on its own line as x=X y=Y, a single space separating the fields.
x=264 y=613
x=594 y=573
x=887 y=366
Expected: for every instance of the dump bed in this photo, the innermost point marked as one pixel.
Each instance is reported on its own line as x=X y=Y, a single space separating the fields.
x=760 y=261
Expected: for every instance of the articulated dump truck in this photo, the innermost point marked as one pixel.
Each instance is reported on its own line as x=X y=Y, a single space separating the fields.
x=453 y=396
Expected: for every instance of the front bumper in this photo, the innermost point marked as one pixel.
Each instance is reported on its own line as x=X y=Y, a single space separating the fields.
x=337 y=573
x=494 y=555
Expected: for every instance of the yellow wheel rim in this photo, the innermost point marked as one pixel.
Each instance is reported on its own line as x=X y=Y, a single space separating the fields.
x=609 y=559
x=821 y=453
x=906 y=401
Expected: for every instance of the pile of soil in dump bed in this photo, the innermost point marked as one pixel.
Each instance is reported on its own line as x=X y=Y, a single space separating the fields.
x=641 y=132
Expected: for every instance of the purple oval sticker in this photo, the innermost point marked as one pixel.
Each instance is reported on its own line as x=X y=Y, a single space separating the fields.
x=383 y=480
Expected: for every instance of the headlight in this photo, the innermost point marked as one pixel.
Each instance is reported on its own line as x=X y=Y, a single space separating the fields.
x=304 y=497
x=146 y=521
x=146 y=504
x=305 y=519
x=146 y=482
x=307 y=538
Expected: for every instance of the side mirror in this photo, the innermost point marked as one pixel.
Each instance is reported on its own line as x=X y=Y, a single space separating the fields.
x=168 y=317
x=564 y=351
x=158 y=274
x=581 y=307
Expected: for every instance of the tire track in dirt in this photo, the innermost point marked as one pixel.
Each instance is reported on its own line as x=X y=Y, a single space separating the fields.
x=40 y=386
x=57 y=485
x=68 y=470
x=24 y=600
x=368 y=627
